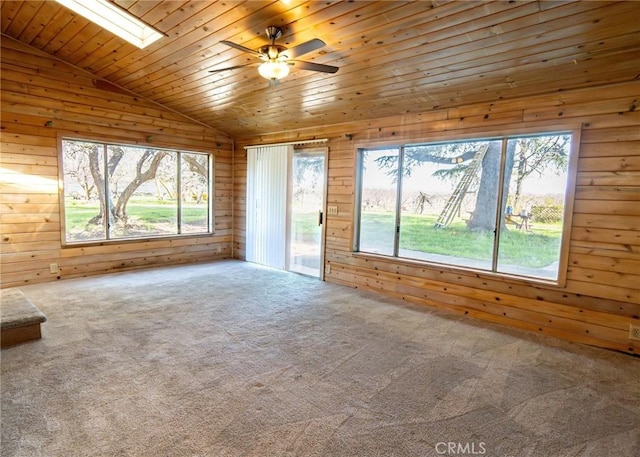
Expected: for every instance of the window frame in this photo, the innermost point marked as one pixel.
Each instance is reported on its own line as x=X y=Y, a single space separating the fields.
x=104 y=143
x=447 y=137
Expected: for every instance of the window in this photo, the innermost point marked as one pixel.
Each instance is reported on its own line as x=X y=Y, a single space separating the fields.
x=118 y=21
x=114 y=191
x=444 y=202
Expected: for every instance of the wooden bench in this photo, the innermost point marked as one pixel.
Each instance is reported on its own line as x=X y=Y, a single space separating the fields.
x=19 y=318
x=524 y=221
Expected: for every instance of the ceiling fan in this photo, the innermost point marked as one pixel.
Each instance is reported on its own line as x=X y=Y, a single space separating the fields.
x=277 y=60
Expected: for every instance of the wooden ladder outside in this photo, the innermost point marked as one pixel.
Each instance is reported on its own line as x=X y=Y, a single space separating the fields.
x=455 y=200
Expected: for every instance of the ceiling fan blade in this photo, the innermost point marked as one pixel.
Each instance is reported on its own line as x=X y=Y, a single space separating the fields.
x=234 y=67
x=241 y=48
x=315 y=67
x=304 y=48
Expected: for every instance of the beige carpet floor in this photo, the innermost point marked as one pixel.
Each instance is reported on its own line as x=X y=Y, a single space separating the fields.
x=232 y=359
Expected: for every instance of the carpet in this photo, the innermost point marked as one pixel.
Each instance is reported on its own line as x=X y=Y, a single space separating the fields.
x=233 y=359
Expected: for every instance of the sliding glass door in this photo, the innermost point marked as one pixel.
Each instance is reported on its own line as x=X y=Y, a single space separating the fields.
x=307 y=217
x=285 y=204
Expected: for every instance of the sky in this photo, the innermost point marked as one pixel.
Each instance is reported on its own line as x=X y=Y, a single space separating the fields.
x=422 y=179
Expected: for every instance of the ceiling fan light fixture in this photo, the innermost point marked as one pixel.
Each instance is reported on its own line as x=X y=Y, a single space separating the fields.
x=277 y=60
x=273 y=69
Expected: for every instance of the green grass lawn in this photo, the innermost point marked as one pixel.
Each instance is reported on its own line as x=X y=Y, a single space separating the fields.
x=305 y=226
x=535 y=249
x=147 y=214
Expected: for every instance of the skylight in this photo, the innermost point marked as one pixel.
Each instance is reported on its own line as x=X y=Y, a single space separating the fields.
x=116 y=20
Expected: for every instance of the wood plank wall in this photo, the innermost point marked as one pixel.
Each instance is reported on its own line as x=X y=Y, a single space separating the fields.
x=601 y=297
x=43 y=98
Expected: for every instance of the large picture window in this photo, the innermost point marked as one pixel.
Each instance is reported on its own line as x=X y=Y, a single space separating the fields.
x=494 y=204
x=114 y=191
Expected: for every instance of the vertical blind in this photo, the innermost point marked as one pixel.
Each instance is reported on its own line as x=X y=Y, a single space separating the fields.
x=267 y=186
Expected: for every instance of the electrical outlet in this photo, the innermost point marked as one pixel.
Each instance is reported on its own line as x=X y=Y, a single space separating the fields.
x=327 y=269
x=53 y=268
x=332 y=210
x=634 y=332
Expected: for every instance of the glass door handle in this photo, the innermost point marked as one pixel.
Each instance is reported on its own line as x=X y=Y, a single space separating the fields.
x=320 y=218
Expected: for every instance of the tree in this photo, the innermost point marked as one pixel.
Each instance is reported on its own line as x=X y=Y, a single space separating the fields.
x=76 y=159
x=198 y=163
x=153 y=158
x=535 y=154
x=96 y=161
x=420 y=200
x=484 y=216
x=194 y=184
x=451 y=154
x=307 y=171
x=118 y=210
x=538 y=155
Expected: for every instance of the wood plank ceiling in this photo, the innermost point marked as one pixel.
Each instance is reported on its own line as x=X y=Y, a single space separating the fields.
x=394 y=57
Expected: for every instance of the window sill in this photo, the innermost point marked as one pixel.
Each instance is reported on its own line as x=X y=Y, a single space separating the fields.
x=455 y=269
x=150 y=239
